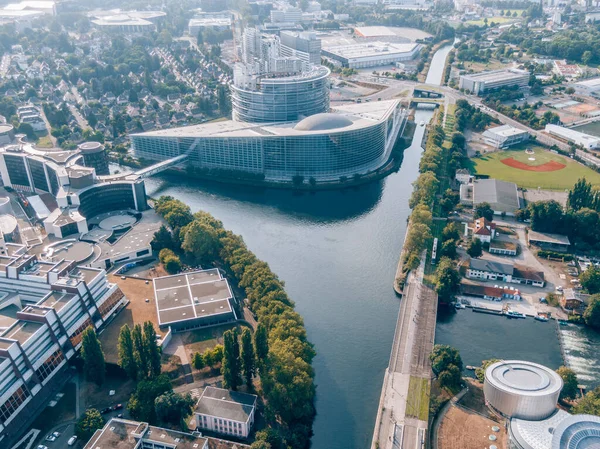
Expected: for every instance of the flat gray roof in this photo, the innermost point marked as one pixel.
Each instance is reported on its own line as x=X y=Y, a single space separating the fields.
x=491 y=266
x=222 y=403
x=502 y=196
x=556 y=239
x=186 y=296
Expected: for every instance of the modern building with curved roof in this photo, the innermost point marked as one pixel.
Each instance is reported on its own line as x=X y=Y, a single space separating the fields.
x=353 y=139
x=523 y=390
x=279 y=97
x=577 y=432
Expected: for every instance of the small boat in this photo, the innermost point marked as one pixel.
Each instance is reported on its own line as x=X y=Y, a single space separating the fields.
x=514 y=314
x=459 y=305
x=422 y=123
x=471 y=368
x=541 y=317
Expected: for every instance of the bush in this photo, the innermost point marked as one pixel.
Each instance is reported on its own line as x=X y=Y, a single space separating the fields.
x=554 y=255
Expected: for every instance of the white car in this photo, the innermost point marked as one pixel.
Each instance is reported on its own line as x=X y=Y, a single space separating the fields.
x=51 y=438
x=41 y=446
x=72 y=440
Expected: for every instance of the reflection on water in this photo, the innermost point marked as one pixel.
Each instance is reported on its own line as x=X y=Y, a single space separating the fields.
x=319 y=206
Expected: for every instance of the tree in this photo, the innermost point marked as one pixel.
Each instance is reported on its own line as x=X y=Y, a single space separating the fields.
x=200 y=241
x=417 y=237
x=247 y=356
x=139 y=352
x=475 y=248
x=152 y=349
x=27 y=129
x=447 y=364
x=125 y=349
x=90 y=422
x=484 y=210
x=448 y=249
x=198 y=361
x=170 y=260
x=162 y=239
x=93 y=357
x=586 y=57
x=230 y=368
x=141 y=403
x=590 y=279
x=214 y=356
x=425 y=188
x=589 y=404
x=570 y=383
x=581 y=195
x=480 y=372
x=451 y=231
x=261 y=345
x=173 y=408
x=592 y=312
x=447 y=279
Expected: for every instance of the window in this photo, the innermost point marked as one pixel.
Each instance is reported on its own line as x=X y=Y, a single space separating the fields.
x=13 y=403
x=76 y=336
x=50 y=365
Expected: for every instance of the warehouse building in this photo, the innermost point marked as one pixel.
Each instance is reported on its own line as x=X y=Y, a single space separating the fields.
x=372 y=54
x=589 y=87
x=503 y=197
x=480 y=83
x=505 y=136
x=585 y=140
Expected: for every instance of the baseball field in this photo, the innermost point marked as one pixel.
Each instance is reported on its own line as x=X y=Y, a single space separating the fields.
x=535 y=168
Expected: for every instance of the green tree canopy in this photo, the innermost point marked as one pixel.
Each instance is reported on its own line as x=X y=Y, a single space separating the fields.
x=231 y=368
x=447 y=365
x=141 y=403
x=126 y=355
x=173 y=408
x=592 y=312
x=90 y=422
x=570 y=383
x=484 y=210
x=589 y=404
x=93 y=357
x=590 y=279
x=447 y=279
x=247 y=357
x=475 y=248
x=480 y=372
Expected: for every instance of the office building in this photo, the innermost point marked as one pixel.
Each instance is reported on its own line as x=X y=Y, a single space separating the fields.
x=505 y=136
x=46 y=305
x=286 y=15
x=217 y=21
x=353 y=139
x=578 y=138
x=7 y=133
x=43 y=6
x=121 y=433
x=305 y=46
x=192 y=300
x=95 y=156
x=372 y=54
x=269 y=97
x=80 y=195
x=226 y=412
x=480 y=83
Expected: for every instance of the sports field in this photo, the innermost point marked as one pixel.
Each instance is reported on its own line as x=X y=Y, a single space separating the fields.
x=543 y=168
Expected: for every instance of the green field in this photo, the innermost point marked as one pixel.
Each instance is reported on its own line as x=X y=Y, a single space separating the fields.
x=491 y=165
x=417 y=403
x=498 y=20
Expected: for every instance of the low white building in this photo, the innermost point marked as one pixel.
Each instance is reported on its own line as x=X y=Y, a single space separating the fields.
x=589 y=87
x=505 y=136
x=372 y=54
x=463 y=176
x=585 y=140
x=226 y=412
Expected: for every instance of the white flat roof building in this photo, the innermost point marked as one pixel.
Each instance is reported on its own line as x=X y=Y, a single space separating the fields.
x=479 y=83
x=216 y=23
x=505 y=136
x=588 y=87
x=372 y=54
x=585 y=140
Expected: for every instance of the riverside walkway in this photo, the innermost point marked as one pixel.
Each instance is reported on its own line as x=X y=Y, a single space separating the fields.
x=402 y=417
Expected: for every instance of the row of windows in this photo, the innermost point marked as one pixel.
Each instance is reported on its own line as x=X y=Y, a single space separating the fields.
x=13 y=403
x=50 y=365
x=76 y=337
x=38 y=175
x=15 y=165
x=110 y=302
x=105 y=199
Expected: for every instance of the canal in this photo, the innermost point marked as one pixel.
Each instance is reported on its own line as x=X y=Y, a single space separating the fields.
x=337 y=253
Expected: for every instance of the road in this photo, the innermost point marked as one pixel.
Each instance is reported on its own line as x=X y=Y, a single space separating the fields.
x=396 y=426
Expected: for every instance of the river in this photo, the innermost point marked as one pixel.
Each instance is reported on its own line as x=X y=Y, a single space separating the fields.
x=337 y=253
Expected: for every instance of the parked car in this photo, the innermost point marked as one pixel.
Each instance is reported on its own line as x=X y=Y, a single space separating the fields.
x=72 y=440
x=51 y=438
x=106 y=410
x=41 y=446
x=118 y=407
x=56 y=434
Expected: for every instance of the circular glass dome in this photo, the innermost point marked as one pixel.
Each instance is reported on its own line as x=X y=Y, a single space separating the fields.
x=323 y=122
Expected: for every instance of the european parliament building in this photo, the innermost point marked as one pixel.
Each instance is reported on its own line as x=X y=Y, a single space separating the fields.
x=352 y=139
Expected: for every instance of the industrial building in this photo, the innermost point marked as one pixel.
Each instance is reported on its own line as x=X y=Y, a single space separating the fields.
x=489 y=270
x=503 y=197
x=505 y=136
x=585 y=140
x=305 y=46
x=218 y=21
x=527 y=394
x=46 y=305
x=227 y=412
x=192 y=300
x=352 y=139
x=589 y=87
x=480 y=83
x=127 y=21
x=372 y=54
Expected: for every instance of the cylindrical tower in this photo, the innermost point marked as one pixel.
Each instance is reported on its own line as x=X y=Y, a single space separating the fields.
x=94 y=155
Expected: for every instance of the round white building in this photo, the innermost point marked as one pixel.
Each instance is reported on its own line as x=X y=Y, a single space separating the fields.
x=524 y=390
x=577 y=432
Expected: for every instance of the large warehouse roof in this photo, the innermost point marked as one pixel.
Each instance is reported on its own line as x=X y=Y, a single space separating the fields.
x=372 y=49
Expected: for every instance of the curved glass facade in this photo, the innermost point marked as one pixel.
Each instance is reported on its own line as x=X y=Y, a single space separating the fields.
x=279 y=155
x=105 y=198
x=282 y=99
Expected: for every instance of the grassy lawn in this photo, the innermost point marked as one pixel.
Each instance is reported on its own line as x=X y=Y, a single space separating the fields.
x=417 y=403
x=44 y=142
x=491 y=165
x=499 y=20
x=200 y=340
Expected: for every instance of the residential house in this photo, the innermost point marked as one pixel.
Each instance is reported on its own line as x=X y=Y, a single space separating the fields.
x=463 y=176
x=489 y=270
x=571 y=300
x=483 y=230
